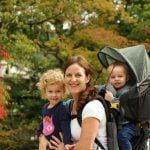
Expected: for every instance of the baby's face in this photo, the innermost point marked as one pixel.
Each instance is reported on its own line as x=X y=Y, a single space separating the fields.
x=118 y=76
x=54 y=93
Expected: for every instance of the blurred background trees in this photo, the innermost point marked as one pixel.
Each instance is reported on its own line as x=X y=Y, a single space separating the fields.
x=42 y=34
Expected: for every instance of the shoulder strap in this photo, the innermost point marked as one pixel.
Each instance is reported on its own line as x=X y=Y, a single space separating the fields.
x=69 y=107
x=106 y=106
x=79 y=118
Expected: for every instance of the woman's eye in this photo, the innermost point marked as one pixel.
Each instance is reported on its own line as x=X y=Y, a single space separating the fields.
x=58 y=91
x=78 y=75
x=68 y=75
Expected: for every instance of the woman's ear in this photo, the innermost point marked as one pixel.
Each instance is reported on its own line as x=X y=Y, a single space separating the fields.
x=88 y=79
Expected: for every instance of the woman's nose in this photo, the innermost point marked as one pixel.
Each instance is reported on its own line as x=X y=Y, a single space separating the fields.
x=73 y=78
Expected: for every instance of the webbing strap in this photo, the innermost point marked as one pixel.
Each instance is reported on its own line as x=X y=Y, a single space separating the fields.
x=99 y=144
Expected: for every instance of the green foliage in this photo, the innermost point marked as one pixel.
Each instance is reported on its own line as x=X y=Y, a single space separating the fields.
x=139 y=34
x=139 y=11
x=18 y=139
x=18 y=131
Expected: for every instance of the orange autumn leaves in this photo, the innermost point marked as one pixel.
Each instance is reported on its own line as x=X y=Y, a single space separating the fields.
x=3 y=112
x=3 y=101
x=4 y=53
x=3 y=92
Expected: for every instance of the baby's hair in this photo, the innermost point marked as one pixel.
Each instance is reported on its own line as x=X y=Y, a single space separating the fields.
x=52 y=76
x=113 y=65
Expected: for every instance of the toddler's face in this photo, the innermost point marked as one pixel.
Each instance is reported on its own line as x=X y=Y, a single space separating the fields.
x=54 y=93
x=118 y=77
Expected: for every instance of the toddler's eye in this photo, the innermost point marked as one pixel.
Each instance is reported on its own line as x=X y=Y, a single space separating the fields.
x=112 y=77
x=120 y=76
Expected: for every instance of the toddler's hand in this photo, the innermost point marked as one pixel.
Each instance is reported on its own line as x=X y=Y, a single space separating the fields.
x=108 y=96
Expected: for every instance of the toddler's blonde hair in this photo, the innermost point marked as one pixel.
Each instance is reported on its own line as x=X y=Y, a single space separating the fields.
x=52 y=76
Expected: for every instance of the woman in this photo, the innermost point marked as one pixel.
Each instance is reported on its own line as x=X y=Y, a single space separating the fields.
x=78 y=76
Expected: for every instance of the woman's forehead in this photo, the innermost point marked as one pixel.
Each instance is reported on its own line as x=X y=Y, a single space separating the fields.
x=75 y=67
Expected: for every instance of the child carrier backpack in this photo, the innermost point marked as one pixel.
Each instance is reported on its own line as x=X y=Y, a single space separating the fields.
x=136 y=108
x=135 y=102
x=111 y=127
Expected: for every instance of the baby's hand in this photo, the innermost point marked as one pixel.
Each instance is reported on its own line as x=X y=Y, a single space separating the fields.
x=108 y=96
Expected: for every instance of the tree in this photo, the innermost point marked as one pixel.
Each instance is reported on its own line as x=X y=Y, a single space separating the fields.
x=139 y=10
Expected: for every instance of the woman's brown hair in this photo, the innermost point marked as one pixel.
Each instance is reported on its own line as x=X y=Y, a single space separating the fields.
x=90 y=93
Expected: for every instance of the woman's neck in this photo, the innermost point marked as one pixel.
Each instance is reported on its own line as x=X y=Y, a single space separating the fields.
x=75 y=98
x=74 y=107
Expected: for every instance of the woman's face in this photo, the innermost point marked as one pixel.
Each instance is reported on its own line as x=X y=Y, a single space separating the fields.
x=76 y=79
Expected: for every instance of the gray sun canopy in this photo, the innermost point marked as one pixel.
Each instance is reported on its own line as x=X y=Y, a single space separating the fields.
x=135 y=57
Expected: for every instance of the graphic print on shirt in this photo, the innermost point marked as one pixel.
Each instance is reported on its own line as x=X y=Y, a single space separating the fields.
x=48 y=125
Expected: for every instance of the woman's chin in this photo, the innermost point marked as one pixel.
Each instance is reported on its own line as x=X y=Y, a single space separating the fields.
x=74 y=92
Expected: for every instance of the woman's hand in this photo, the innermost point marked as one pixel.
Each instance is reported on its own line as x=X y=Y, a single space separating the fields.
x=43 y=143
x=56 y=144
x=70 y=147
